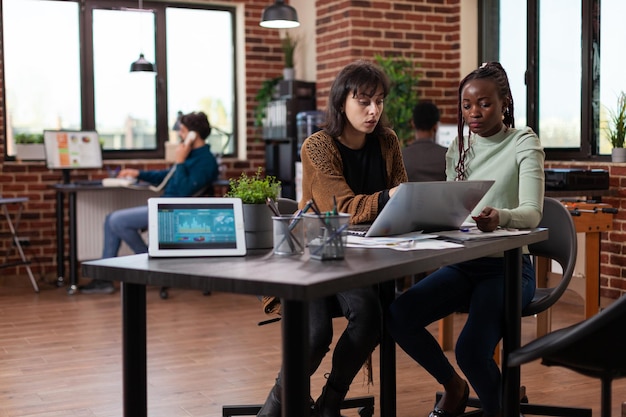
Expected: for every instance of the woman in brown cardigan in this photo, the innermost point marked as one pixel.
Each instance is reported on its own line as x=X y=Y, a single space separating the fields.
x=356 y=161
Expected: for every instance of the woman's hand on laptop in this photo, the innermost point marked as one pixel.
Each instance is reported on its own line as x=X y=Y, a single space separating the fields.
x=392 y=191
x=488 y=219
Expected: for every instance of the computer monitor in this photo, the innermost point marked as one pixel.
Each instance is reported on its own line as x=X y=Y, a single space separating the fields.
x=72 y=149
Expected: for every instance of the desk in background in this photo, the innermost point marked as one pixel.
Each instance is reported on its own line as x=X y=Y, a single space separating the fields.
x=297 y=281
x=88 y=205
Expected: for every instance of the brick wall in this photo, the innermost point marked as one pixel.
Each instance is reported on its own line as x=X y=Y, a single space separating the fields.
x=426 y=31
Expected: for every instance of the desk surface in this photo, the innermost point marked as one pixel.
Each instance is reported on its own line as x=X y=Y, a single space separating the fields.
x=296 y=278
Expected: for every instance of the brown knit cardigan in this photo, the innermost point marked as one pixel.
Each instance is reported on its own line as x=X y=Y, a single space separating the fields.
x=322 y=176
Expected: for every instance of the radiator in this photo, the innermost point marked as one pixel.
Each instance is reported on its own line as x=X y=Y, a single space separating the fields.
x=91 y=209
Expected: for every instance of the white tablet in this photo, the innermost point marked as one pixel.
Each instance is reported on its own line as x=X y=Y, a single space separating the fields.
x=195 y=226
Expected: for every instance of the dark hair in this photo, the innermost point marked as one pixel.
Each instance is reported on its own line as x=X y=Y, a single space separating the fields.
x=496 y=74
x=198 y=122
x=359 y=77
x=425 y=115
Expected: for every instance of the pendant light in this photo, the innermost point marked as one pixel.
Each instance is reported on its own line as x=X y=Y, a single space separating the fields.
x=279 y=16
x=142 y=64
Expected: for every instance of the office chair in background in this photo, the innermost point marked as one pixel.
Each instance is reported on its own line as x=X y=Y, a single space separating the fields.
x=364 y=404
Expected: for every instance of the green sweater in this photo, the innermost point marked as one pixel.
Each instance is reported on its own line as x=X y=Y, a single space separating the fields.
x=514 y=159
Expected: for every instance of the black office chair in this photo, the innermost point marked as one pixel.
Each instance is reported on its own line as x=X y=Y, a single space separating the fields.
x=594 y=347
x=365 y=405
x=561 y=246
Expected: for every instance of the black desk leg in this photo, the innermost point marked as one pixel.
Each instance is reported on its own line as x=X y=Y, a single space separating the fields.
x=73 y=288
x=512 y=330
x=134 y=366
x=60 y=239
x=387 y=355
x=296 y=384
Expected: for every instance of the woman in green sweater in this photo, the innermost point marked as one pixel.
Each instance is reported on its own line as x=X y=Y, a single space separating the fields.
x=493 y=150
x=356 y=162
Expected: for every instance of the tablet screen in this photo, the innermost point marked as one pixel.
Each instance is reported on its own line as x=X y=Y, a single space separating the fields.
x=195 y=227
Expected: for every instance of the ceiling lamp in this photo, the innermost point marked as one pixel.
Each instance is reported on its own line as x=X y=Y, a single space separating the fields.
x=279 y=16
x=142 y=65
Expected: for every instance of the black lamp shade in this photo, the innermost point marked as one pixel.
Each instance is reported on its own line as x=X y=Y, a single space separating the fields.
x=279 y=16
x=142 y=65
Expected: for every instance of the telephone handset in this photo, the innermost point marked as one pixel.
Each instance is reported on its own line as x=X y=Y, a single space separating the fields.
x=191 y=136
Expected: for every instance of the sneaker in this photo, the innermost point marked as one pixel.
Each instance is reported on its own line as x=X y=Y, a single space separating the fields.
x=97 y=286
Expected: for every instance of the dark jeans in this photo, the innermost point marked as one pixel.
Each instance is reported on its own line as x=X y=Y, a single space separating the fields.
x=360 y=337
x=477 y=287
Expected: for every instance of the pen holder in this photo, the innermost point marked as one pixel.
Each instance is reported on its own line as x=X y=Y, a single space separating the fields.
x=288 y=235
x=326 y=235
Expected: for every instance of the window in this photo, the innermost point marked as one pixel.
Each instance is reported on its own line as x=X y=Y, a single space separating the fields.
x=570 y=60
x=85 y=83
x=41 y=68
x=612 y=62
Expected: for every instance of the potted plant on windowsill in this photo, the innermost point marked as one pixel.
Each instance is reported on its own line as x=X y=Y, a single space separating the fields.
x=29 y=147
x=616 y=130
x=257 y=217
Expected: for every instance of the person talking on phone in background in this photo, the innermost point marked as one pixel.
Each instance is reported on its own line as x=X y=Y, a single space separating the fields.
x=195 y=167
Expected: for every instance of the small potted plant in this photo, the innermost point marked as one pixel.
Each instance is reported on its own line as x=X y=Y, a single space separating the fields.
x=288 y=45
x=616 y=130
x=29 y=147
x=257 y=217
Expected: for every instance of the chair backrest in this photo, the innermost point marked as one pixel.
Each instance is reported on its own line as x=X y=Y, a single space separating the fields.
x=205 y=191
x=286 y=205
x=597 y=343
x=561 y=246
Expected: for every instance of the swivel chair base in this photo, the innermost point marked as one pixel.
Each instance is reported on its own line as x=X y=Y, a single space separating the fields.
x=525 y=408
x=364 y=404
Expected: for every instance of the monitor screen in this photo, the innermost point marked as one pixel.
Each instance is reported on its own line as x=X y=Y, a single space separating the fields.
x=72 y=149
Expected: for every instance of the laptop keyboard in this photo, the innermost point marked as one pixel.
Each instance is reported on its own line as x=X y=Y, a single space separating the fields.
x=358 y=229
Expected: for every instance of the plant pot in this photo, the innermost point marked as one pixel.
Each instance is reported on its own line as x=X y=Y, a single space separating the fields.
x=618 y=155
x=289 y=74
x=258 y=226
x=30 y=152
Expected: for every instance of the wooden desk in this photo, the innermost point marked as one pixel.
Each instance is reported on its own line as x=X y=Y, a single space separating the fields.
x=297 y=281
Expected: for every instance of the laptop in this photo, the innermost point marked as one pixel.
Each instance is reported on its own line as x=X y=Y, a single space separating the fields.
x=426 y=206
x=195 y=226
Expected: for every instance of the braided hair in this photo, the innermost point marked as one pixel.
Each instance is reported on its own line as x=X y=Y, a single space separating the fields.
x=497 y=74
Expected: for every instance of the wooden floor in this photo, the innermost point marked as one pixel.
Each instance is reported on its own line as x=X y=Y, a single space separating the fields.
x=60 y=355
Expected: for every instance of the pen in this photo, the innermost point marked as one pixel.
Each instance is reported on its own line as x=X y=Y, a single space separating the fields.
x=332 y=238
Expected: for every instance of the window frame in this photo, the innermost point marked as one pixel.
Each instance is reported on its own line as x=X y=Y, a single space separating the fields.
x=590 y=87
x=86 y=54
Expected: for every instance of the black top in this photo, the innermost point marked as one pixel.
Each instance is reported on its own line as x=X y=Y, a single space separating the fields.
x=364 y=169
